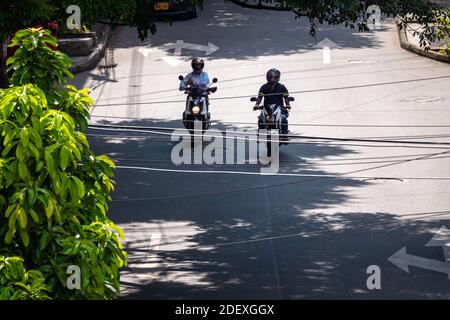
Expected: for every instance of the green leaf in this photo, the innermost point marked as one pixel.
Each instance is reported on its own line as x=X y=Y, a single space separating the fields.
x=34 y=216
x=34 y=151
x=25 y=238
x=49 y=209
x=23 y=171
x=36 y=138
x=39 y=165
x=75 y=151
x=49 y=162
x=10 y=209
x=73 y=191
x=22 y=218
x=9 y=235
x=106 y=160
x=118 y=230
x=12 y=220
x=43 y=242
x=57 y=213
x=8 y=148
x=76 y=187
x=64 y=157
x=2 y=201
x=57 y=120
x=31 y=196
x=24 y=138
x=8 y=109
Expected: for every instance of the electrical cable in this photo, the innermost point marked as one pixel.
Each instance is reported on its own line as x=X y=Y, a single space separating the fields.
x=306 y=234
x=265 y=140
x=292 y=92
x=264 y=186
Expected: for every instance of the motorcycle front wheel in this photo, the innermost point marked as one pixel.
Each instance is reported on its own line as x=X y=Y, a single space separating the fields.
x=195 y=124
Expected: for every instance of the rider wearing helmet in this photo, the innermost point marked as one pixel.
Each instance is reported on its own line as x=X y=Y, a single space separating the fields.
x=197 y=78
x=273 y=92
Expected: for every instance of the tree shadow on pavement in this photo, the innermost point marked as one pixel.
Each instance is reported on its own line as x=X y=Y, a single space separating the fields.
x=234 y=236
x=242 y=33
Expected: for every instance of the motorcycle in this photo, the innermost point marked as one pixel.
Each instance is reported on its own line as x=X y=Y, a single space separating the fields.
x=197 y=107
x=271 y=115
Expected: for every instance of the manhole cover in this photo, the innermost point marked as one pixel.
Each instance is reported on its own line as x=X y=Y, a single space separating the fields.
x=358 y=61
x=424 y=99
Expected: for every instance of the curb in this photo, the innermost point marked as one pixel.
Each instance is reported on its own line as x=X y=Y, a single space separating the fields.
x=94 y=58
x=405 y=44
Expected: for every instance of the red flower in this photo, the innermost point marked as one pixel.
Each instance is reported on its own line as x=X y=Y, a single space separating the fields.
x=53 y=25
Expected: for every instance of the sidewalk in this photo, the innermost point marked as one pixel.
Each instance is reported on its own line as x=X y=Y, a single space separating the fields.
x=411 y=42
x=414 y=39
x=81 y=64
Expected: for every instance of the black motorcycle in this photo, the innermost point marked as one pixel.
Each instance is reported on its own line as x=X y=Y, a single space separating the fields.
x=271 y=115
x=197 y=113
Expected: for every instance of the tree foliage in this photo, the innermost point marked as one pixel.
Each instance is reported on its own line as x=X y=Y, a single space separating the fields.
x=53 y=188
x=353 y=12
x=16 y=283
x=15 y=15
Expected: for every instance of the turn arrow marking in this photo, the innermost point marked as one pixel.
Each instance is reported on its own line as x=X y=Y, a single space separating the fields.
x=441 y=239
x=179 y=46
x=210 y=48
x=403 y=260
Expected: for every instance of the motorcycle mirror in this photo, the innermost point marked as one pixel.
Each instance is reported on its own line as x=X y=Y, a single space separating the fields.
x=181 y=78
x=213 y=89
x=291 y=99
x=214 y=80
x=253 y=99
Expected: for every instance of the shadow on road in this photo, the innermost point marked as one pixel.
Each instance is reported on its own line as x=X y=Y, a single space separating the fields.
x=232 y=236
x=248 y=34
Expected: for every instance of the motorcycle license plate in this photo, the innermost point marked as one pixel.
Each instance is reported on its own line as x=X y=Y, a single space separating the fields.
x=161 y=6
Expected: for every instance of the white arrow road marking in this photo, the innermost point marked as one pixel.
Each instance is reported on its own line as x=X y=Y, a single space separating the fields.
x=210 y=48
x=173 y=61
x=326 y=44
x=146 y=51
x=441 y=239
x=326 y=55
x=179 y=46
x=403 y=260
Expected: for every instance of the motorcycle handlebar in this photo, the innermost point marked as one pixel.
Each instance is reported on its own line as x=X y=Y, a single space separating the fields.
x=207 y=90
x=261 y=107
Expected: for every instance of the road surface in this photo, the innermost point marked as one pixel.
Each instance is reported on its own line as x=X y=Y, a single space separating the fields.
x=239 y=236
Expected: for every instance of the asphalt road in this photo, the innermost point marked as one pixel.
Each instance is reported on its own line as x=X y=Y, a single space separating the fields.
x=234 y=235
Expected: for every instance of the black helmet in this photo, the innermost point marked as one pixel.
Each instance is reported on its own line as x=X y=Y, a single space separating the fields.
x=197 y=65
x=273 y=76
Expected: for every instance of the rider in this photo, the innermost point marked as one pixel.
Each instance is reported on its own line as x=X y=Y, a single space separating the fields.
x=197 y=78
x=274 y=92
